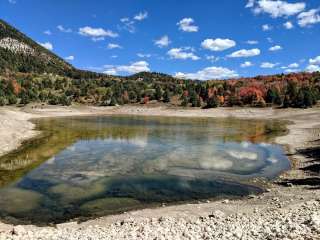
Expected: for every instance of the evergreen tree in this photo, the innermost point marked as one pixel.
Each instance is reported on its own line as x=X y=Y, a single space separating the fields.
x=166 y=96
x=212 y=102
x=185 y=101
x=158 y=93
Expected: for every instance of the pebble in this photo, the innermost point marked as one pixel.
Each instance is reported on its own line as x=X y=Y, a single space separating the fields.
x=299 y=222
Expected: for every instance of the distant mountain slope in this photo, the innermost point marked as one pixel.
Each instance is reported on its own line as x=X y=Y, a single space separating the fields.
x=19 y=53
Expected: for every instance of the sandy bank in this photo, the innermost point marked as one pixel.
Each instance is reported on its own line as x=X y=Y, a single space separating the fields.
x=276 y=205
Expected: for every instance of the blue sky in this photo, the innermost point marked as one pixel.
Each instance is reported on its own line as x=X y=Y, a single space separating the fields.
x=195 y=39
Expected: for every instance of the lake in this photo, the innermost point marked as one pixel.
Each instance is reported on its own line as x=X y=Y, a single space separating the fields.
x=85 y=167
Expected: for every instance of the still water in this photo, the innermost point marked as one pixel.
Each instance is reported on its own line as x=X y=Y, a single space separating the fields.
x=92 y=166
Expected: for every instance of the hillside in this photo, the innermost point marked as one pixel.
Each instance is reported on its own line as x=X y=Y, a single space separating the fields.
x=24 y=78
x=19 y=53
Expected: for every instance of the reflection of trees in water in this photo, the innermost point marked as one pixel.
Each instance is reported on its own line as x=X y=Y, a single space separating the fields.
x=61 y=133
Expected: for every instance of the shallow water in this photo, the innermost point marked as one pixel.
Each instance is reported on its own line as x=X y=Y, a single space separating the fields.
x=93 y=166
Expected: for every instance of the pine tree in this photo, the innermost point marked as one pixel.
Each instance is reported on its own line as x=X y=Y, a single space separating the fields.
x=166 y=96
x=212 y=102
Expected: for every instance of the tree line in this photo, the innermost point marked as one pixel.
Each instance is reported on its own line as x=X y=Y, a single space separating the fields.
x=293 y=90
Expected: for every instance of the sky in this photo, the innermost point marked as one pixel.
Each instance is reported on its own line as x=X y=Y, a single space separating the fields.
x=200 y=39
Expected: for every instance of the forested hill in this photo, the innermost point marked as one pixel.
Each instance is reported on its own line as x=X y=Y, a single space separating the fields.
x=31 y=73
x=19 y=53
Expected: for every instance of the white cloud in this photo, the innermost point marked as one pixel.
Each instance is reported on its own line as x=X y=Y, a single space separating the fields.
x=96 y=34
x=47 y=45
x=246 y=64
x=136 y=67
x=268 y=65
x=277 y=8
x=164 y=41
x=266 y=27
x=252 y=42
x=12 y=1
x=269 y=39
x=125 y=19
x=209 y=73
x=143 y=55
x=187 y=25
x=128 y=25
x=69 y=58
x=315 y=61
x=113 y=46
x=181 y=53
x=47 y=32
x=275 y=48
x=293 y=65
x=308 y=18
x=290 y=70
x=313 y=68
x=288 y=25
x=212 y=58
x=218 y=44
x=245 y=53
x=65 y=30
x=141 y=16
x=250 y=3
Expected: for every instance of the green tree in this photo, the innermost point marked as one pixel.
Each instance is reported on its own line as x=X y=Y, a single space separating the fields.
x=212 y=102
x=185 y=101
x=166 y=96
x=158 y=93
x=3 y=101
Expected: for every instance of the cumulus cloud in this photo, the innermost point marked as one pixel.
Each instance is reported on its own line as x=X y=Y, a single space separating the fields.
x=252 y=42
x=266 y=27
x=315 y=61
x=275 y=48
x=47 y=32
x=276 y=8
x=291 y=70
x=141 y=16
x=182 y=53
x=63 y=29
x=246 y=64
x=250 y=4
x=288 y=25
x=245 y=53
x=96 y=34
x=313 y=68
x=212 y=58
x=218 y=44
x=47 y=45
x=209 y=73
x=293 y=65
x=136 y=67
x=269 y=39
x=113 y=46
x=268 y=65
x=69 y=58
x=309 y=18
x=187 y=25
x=144 y=55
x=164 y=41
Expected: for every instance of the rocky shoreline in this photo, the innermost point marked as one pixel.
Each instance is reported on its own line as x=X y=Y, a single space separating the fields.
x=286 y=211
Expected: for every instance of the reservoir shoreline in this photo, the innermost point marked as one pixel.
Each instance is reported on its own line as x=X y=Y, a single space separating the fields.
x=303 y=132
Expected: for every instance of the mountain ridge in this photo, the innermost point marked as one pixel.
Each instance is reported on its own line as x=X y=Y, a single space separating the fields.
x=19 y=53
